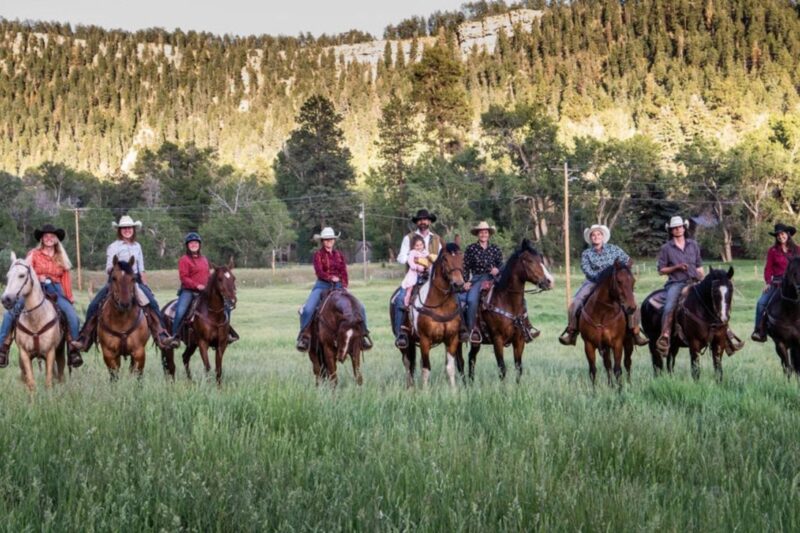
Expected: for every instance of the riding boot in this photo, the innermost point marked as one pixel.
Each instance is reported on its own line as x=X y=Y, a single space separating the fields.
x=86 y=336
x=366 y=341
x=528 y=331
x=662 y=344
x=232 y=335
x=164 y=340
x=4 y=348
x=303 y=341
x=760 y=333
x=570 y=335
x=636 y=332
x=74 y=359
x=401 y=337
x=734 y=343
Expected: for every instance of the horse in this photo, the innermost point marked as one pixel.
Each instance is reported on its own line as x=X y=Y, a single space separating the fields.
x=504 y=314
x=337 y=331
x=121 y=324
x=603 y=323
x=783 y=319
x=435 y=316
x=210 y=326
x=703 y=319
x=38 y=331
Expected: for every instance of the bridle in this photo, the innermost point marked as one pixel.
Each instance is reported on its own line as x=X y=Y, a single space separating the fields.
x=28 y=279
x=114 y=296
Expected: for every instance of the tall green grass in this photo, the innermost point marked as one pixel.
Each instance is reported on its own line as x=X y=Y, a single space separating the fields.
x=269 y=450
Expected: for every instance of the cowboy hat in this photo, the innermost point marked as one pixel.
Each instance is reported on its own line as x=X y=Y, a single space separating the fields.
x=676 y=222
x=326 y=233
x=423 y=213
x=483 y=225
x=602 y=228
x=780 y=227
x=127 y=222
x=49 y=228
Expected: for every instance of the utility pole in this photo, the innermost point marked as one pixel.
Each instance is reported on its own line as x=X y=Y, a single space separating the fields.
x=566 y=233
x=363 y=217
x=78 y=249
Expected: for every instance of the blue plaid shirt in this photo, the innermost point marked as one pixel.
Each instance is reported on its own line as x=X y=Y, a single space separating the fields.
x=594 y=262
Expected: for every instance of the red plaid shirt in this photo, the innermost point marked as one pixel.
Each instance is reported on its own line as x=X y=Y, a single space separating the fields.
x=47 y=267
x=329 y=264
x=777 y=261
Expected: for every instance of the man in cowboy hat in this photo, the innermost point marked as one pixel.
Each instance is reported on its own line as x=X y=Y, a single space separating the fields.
x=778 y=257
x=423 y=219
x=482 y=262
x=599 y=256
x=679 y=259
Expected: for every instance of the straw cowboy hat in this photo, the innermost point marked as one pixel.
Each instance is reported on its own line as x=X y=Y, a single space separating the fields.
x=483 y=225
x=780 y=227
x=602 y=228
x=326 y=233
x=423 y=213
x=676 y=222
x=49 y=228
x=127 y=222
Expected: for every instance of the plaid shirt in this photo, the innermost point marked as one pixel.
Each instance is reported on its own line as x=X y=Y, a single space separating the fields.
x=47 y=267
x=329 y=264
x=594 y=262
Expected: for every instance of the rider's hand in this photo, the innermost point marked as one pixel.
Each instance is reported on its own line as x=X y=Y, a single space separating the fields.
x=335 y=279
x=467 y=285
x=766 y=287
x=494 y=271
x=201 y=287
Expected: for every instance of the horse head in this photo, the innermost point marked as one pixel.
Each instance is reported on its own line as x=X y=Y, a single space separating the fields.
x=718 y=288
x=19 y=281
x=790 y=286
x=223 y=280
x=623 y=283
x=450 y=264
x=535 y=271
x=122 y=283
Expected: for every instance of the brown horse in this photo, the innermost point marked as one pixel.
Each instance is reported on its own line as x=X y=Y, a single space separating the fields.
x=603 y=322
x=505 y=315
x=38 y=331
x=783 y=319
x=703 y=319
x=435 y=316
x=210 y=327
x=337 y=331
x=122 y=327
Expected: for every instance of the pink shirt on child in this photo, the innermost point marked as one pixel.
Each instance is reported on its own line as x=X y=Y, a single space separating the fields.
x=413 y=268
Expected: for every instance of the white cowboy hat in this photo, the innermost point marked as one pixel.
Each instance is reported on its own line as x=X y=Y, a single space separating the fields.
x=326 y=233
x=483 y=225
x=602 y=228
x=676 y=222
x=127 y=222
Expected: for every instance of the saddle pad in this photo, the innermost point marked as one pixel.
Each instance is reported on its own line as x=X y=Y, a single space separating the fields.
x=169 y=309
x=658 y=299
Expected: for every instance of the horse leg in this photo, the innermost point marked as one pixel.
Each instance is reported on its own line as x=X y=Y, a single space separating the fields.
x=655 y=357
x=112 y=363
x=605 y=351
x=590 y=351
x=499 y=351
x=330 y=364
x=187 y=356
x=671 y=356
x=425 y=356
x=519 y=347
x=716 y=353
x=218 y=353
x=460 y=362
x=618 y=364
x=355 y=358
x=628 y=347
x=168 y=362
x=450 y=365
x=410 y=362
x=203 y=345
x=695 y=356
x=473 y=355
x=795 y=361
x=49 y=362
x=137 y=362
x=783 y=352
x=60 y=361
x=26 y=367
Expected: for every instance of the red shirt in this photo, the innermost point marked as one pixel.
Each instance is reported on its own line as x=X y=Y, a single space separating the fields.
x=193 y=271
x=777 y=261
x=47 y=267
x=329 y=264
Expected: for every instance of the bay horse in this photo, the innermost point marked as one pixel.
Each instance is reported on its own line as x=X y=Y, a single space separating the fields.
x=338 y=331
x=783 y=319
x=505 y=315
x=603 y=323
x=435 y=316
x=38 y=330
x=210 y=326
x=703 y=318
x=121 y=324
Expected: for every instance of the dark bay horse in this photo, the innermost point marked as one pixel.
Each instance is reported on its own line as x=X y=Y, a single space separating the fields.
x=338 y=331
x=210 y=326
x=435 y=316
x=122 y=327
x=783 y=319
x=504 y=315
x=603 y=323
x=703 y=318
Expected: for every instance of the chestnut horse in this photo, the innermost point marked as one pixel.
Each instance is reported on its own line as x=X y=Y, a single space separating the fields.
x=435 y=316
x=210 y=326
x=337 y=331
x=783 y=319
x=121 y=326
x=38 y=331
x=703 y=318
x=505 y=314
x=603 y=322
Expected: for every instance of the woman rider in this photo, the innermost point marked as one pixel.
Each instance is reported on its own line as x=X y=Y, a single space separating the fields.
x=778 y=257
x=482 y=262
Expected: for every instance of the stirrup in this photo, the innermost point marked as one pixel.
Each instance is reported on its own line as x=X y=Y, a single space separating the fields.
x=302 y=343
x=758 y=336
x=568 y=337
x=401 y=341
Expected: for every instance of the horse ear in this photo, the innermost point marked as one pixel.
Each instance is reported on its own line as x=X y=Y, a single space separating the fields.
x=132 y=262
x=230 y=263
x=730 y=272
x=115 y=261
x=13 y=257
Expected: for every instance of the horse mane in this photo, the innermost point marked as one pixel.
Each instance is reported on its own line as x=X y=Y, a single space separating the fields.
x=608 y=272
x=125 y=266
x=714 y=274
x=505 y=271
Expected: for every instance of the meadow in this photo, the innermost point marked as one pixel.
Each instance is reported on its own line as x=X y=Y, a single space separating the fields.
x=270 y=451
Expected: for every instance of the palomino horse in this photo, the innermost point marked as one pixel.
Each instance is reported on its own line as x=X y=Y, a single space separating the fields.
x=783 y=319
x=504 y=314
x=703 y=319
x=122 y=327
x=38 y=331
x=435 y=316
x=337 y=332
x=603 y=322
x=210 y=326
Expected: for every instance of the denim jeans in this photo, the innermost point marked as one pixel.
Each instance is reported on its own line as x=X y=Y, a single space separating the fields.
x=313 y=301
x=65 y=306
x=673 y=293
x=9 y=317
x=472 y=298
x=763 y=301
x=185 y=298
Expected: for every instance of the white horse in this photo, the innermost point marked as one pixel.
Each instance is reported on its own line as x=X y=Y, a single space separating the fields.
x=38 y=330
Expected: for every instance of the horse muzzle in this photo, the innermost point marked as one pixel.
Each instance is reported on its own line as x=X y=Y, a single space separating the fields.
x=545 y=284
x=230 y=304
x=8 y=302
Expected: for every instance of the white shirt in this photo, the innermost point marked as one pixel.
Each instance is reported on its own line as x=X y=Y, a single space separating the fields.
x=124 y=251
x=405 y=247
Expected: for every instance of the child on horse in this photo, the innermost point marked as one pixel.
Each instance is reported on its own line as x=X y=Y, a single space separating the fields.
x=418 y=263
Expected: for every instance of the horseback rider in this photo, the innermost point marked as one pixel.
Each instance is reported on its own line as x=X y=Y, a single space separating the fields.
x=194 y=271
x=778 y=257
x=594 y=260
x=50 y=262
x=679 y=259
x=433 y=244
x=331 y=270
x=482 y=262
x=125 y=248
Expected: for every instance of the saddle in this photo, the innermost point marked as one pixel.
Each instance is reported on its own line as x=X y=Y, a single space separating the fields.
x=188 y=318
x=659 y=298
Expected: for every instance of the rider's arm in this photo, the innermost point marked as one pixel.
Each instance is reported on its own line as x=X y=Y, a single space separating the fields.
x=185 y=274
x=402 y=255
x=343 y=277
x=66 y=286
x=769 y=268
x=319 y=269
x=586 y=266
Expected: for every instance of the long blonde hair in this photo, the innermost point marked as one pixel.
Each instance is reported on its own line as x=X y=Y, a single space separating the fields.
x=60 y=255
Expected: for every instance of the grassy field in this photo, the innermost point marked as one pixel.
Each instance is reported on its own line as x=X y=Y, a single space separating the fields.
x=269 y=451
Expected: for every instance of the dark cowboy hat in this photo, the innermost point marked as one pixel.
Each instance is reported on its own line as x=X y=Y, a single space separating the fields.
x=49 y=228
x=423 y=213
x=779 y=227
